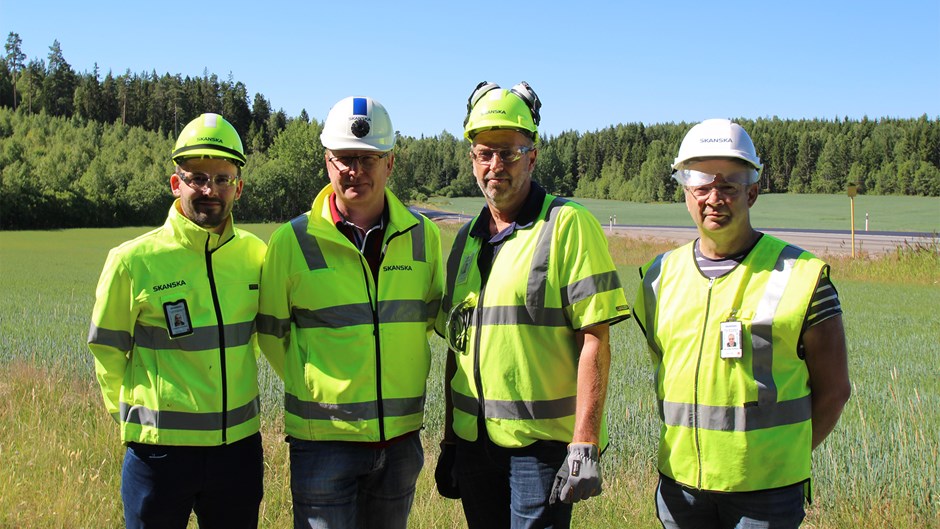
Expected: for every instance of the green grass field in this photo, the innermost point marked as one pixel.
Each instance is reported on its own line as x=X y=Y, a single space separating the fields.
x=62 y=457
x=822 y=212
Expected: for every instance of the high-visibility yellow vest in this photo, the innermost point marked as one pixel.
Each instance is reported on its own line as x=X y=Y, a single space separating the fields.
x=549 y=280
x=735 y=424
x=354 y=358
x=173 y=334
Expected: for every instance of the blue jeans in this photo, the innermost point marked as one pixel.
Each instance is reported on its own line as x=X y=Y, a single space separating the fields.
x=509 y=487
x=346 y=485
x=161 y=485
x=680 y=507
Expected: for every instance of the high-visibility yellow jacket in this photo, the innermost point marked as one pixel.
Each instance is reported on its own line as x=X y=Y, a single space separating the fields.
x=354 y=358
x=550 y=279
x=173 y=334
x=734 y=424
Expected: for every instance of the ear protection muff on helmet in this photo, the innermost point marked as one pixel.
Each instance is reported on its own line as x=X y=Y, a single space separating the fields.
x=522 y=90
x=525 y=92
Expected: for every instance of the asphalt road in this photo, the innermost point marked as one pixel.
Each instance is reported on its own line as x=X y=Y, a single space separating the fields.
x=820 y=242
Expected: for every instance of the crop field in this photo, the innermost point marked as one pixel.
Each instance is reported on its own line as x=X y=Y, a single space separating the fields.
x=61 y=455
x=779 y=211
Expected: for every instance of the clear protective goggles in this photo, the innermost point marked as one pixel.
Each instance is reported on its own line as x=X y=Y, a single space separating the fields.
x=691 y=178
x=457 y=328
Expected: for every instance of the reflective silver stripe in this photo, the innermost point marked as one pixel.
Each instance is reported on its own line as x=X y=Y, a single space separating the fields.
x=180 y=420
x=391 y=311
x=352 y=412
x=464 y=403
x=517 y=410
x=762 y=325
x=538 y=274
x=589 y=286
x=274 y=326
x=202 y=338
x=433 y=308
x=417 y=239
x=333 y=317
x=514 y=315
x=308 y=244
x=403 y=407
x=650 y=293
x=120 y=340
x=403 y=311
x=453 y=265
x=736 y=418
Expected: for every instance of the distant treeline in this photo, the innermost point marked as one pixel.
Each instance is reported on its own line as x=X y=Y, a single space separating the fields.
x=76 y=150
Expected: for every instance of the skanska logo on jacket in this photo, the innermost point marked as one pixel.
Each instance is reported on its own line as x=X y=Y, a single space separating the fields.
x=171 y=284
x=396 y=268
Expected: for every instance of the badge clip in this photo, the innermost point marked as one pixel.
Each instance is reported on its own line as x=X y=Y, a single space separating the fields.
x=731 y=337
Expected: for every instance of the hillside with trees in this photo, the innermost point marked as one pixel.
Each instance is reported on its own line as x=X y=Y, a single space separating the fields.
x=78 y=149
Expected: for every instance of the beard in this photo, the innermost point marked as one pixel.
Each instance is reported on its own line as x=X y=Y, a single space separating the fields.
x=207 y=213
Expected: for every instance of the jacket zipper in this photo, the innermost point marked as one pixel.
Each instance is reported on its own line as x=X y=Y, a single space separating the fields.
x=380 y=402
x=221 y=327
x=698 y=365
x=481 y=401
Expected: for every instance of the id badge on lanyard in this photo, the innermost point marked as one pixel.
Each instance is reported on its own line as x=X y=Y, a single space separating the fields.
x=731 y=337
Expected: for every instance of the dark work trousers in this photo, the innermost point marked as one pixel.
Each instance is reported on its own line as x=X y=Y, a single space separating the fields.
x=161 y=485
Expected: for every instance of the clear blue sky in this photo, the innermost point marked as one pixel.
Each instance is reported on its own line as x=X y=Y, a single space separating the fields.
x=593 y=64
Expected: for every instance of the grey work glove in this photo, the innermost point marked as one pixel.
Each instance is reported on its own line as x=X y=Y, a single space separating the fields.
x=445 y=473
x=579 y=477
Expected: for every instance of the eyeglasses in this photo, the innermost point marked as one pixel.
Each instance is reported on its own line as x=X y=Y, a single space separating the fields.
x=201 y=180
x=508 y=156
x=366 y=162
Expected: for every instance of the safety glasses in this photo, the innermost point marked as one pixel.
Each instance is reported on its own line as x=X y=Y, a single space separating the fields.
x=508 y=156
x=202 y=180
x=689 y=177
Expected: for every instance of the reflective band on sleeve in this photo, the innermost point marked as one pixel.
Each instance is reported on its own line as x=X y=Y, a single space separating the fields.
x=308 y=244
x=202 y=338
x=513 y=315
x=272 y=326
x=735 y=418
x=762 y=325
x=178 y=420
x=517 y=410
x=352 y=412
x=121 y=340
x=589 y=286
x=433 y=308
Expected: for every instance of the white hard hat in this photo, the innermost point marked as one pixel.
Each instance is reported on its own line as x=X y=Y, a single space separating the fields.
x=717 y=138
x=359 y=123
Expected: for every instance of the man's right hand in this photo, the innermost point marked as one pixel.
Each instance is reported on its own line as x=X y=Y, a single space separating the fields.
x=445 y=474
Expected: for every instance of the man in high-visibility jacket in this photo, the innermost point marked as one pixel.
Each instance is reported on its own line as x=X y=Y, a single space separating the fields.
x=173 y=338
x=349 y=293
x=747 y=340
x=530 y=294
